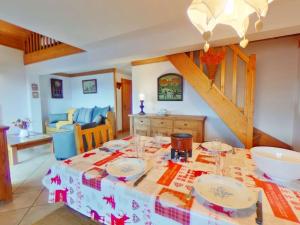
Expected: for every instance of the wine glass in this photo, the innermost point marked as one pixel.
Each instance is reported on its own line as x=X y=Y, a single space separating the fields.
x=157 y=139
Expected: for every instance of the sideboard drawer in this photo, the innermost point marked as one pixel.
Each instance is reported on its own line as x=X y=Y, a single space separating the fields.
x=187 y=124
x=162 y=123
x=141 y=122
x=166 y=132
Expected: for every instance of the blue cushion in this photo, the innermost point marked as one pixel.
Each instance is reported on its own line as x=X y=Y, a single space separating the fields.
x=68 y=127
x=52 y=125
x=75 y=115
x=100 y=111
x=84 y=115
x=53 y=118
x=98 y=119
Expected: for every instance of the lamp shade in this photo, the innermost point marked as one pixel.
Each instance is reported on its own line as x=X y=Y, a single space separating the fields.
x=206 y=14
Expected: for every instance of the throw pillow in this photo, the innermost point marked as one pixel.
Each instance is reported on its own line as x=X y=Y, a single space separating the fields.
x=84 y=116
x=53 y=118
x=97 y=119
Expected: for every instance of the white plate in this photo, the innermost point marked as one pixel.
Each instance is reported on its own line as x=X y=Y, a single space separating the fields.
x=129 y=168
x=116 y=145
x=224 y=191
x=216 y=146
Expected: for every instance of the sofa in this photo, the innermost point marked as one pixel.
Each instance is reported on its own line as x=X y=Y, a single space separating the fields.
x=88 y=117
x=62 y=127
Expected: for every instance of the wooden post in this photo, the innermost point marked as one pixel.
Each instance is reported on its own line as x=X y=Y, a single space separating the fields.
x=249 y=99
x=5 y=181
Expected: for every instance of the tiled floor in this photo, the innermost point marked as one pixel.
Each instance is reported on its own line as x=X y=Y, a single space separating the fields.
x=30 y=197
x=30 y=200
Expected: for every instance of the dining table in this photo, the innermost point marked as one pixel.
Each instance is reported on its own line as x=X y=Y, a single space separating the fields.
x=165 y=194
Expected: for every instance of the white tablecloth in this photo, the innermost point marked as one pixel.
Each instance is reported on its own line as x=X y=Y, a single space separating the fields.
x=160 y=199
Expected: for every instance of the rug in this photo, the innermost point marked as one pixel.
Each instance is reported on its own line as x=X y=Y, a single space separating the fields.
x=65 y=216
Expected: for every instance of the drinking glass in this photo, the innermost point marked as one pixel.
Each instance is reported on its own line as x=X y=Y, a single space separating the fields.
x=157 y=139
x=141 y=149
x=135 y=143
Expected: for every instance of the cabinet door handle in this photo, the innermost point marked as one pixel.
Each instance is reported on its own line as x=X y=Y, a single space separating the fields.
x=185 y=124
x=161 y=122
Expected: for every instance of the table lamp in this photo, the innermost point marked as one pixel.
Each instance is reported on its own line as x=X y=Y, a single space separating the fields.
x=142 y=97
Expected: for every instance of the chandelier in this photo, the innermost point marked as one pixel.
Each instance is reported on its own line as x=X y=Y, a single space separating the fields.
x=206 y=14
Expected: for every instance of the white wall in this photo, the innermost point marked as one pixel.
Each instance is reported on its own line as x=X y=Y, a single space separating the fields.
x=35 y=110
x=276 y=86
x=56 y=105
x=105 y=95
x=144 y=80
x=13 y=92
x=296 y=138
x=275 y=101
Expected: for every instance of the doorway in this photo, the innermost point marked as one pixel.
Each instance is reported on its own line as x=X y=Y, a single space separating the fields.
x=126 y=96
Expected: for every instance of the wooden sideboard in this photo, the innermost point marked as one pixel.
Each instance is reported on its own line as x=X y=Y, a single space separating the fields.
x=5 y=181
x=153 y=124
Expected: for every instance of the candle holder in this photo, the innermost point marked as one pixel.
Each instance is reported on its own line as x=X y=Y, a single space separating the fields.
x=142 y=108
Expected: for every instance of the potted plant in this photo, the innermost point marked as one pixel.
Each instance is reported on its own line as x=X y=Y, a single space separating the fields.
x=23 y=125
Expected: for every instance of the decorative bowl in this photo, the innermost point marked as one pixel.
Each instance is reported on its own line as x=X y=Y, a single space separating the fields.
x=277 y=163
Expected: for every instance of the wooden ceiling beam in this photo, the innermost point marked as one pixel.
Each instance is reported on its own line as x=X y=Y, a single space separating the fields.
x=11 y=41
x=87 y=73
x=148 y=61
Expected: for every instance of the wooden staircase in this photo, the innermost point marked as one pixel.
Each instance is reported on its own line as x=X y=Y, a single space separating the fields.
x=237 y=115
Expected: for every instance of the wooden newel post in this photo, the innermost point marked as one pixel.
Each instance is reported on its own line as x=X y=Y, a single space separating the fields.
x=5 y=181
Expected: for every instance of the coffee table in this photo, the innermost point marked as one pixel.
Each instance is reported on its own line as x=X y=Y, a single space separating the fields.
x=16 y=143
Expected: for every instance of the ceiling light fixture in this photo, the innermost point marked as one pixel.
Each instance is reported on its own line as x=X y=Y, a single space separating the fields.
x=206 y=14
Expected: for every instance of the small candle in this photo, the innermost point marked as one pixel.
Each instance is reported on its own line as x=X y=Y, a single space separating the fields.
x=142 y=97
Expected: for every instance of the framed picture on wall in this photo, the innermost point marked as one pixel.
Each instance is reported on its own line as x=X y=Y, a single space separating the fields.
x=89 y=86
x=35 y=94
x=56 y=88
x=170 y=87
x=34 y=87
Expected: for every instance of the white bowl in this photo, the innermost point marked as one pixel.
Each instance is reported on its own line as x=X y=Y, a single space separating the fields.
x=278 y=163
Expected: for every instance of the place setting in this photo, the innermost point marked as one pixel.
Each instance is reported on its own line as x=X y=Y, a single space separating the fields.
x=133 y=166
x=131 y=171
x=114 y=145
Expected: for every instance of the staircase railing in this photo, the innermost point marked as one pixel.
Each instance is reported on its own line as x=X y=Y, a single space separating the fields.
x=36 y=42
x=224 y=94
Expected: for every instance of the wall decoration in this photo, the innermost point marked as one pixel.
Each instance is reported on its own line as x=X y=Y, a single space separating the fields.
x=34 y=87
x=170 y=87
x=212 y=59
x=89 y=86
x=56 y=88
x=35 y=94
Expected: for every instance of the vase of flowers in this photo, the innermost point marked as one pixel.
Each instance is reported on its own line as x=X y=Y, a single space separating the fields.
x=23 y=125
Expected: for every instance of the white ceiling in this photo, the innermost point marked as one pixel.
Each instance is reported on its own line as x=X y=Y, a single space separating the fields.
x=115 y=32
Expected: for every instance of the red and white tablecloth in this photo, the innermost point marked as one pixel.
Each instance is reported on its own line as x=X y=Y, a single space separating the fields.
x=161 y=198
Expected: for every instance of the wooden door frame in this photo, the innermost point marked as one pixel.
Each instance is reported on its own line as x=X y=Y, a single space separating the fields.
x=122 y=103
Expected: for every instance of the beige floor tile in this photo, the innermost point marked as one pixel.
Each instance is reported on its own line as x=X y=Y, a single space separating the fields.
x=38 y=212
x=21 y=200
x=12 y=217
x=43 y=198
